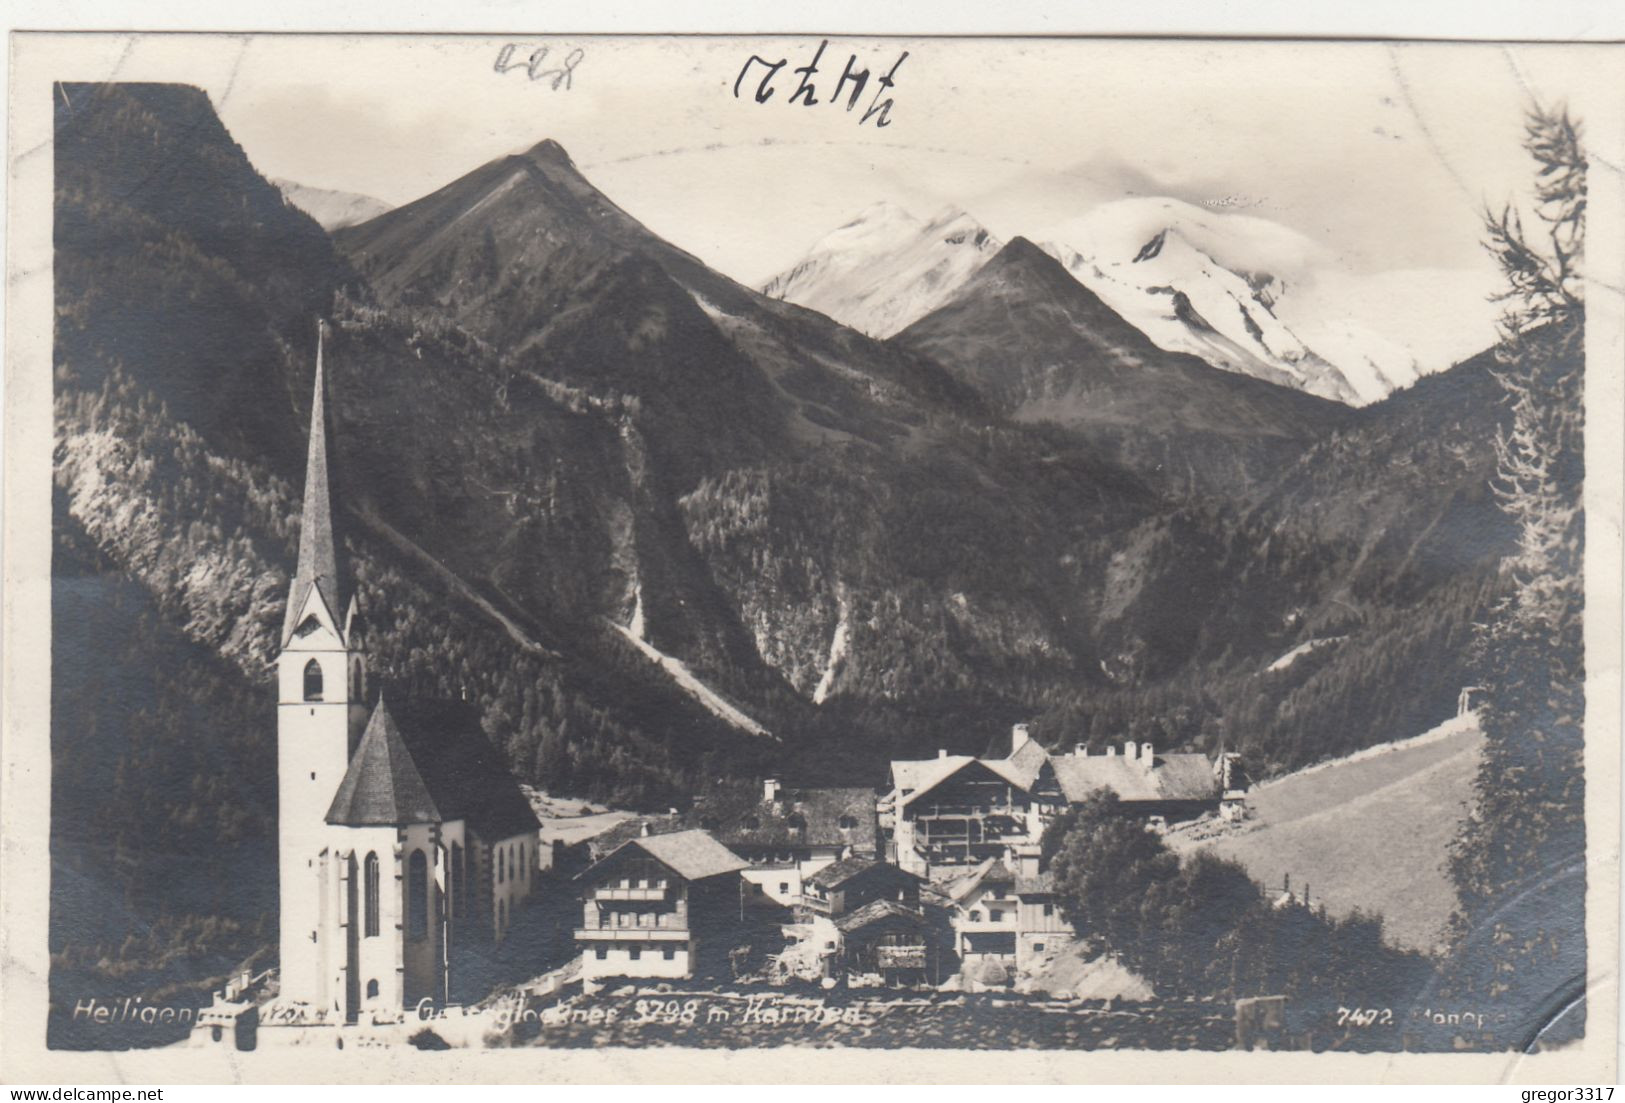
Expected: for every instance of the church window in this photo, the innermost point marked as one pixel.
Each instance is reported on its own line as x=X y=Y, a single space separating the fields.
x=372 y=896
x=313 y=681
x=372 y=989
x=417 y=895
x=502 y=865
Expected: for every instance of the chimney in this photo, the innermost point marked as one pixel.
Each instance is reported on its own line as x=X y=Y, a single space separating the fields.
x=645 y=829
x=1129 y=748
x=1081 y=750
x=1111 y=752
x=942 y=752
x=1146 y=757
x=1019 y=738
x=770 y=790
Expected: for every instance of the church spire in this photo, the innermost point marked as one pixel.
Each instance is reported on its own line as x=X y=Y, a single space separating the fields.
x=318 y=559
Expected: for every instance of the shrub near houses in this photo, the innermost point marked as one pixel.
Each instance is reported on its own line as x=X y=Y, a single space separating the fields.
x=1202 y=927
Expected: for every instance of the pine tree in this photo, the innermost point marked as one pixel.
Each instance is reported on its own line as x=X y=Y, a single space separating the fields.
x=1519 y=861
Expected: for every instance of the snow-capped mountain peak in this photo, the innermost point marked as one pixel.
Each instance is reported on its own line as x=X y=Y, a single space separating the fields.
x=886 y=268
x=1253 y=296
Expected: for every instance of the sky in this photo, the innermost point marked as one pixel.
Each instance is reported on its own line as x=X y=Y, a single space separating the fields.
x=1383 y=153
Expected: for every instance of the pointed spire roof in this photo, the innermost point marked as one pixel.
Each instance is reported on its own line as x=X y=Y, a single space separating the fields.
x=382 y=787
x=318 y=557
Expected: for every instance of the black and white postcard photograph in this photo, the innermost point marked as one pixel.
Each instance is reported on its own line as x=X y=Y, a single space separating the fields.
x=533 y=557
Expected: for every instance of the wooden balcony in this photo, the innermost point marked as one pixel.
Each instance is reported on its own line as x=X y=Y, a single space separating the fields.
x=619 y=893
x=900 y=957
x=631 y=934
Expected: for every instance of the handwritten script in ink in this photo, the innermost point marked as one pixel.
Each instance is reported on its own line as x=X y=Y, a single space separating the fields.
x=852 y=84
x=534 y=65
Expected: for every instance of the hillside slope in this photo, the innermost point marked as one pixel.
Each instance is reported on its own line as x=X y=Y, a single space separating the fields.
x=1370 y=833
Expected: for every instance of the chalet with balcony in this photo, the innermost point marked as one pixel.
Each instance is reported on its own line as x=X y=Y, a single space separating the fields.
x=953 y=812
x=657 y=906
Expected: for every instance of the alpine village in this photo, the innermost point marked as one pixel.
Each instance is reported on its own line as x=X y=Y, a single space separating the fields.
x=480 y=623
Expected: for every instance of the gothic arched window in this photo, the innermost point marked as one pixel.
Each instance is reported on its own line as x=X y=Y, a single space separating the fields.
x=502 y=865
x=417 y=895
x=372 y=989
x=371 y=892
x=313 y=681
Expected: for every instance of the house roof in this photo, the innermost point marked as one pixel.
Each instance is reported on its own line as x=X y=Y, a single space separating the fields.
x=382 y=786
x=925 y=775
x=692 y=854
x=1172 y=777
x=839 y=873
x=774 y=823
x=466 y=776
x=991 y=870
x=916 y=775
x=606 y=842
x=874 y=912
x=1026 y=763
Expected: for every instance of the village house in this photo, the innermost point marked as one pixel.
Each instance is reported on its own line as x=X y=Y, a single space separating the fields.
x=404 y=846
x=791 y=833
x=658 y=906
x=1041 y=932
x=985 y=915
x=947 y=813
x=849 y=884
x=862 y=917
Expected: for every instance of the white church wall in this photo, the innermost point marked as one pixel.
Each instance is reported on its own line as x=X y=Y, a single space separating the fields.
x=423 y=950
x=379 y=958
x=513 y=876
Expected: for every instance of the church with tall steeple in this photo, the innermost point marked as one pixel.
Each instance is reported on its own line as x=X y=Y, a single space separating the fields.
x=405 y=846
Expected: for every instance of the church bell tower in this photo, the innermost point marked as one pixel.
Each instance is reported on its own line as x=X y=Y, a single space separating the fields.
x=321 y=693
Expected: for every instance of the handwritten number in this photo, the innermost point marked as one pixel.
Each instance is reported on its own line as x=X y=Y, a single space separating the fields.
x=563 y=76
x=763 y=92
x=883 y=109
x=860 y=80
x=805 y=91
x=852 y=84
